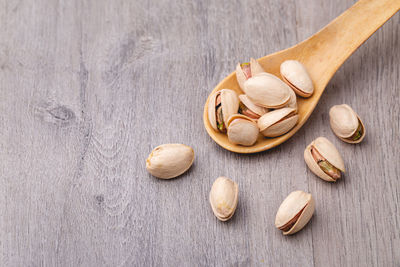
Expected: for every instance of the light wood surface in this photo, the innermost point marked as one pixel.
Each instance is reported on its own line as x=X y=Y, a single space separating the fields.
x=89 y=88
x=322 y=54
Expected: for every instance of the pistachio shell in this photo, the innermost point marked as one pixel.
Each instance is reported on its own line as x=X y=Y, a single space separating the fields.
x=255 y=68
x=253 y=107
x=294 y=203
x=292 y=101
x=344 y=123
x=329 y=152
x=242 y=130
x=277 y=122
x=224 y=196
x=169 y=160
x=240 y=76
x=267 y=90
x=229 y=104
x=296 y=75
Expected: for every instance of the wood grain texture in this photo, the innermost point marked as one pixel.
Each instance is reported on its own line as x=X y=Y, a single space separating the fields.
x=88 y=88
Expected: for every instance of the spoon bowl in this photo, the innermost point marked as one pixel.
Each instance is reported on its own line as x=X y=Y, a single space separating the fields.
x=322 y=54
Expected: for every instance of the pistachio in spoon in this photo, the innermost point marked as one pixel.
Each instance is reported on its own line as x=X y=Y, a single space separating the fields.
x=277 y=122
x=245 y=71
x=267 y=90
x=249 y=109
x=242 y=130
x=292 y=100
x=223 y=104
x=295 y=74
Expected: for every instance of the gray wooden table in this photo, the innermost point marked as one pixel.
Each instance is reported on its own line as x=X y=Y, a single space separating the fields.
x=88 y=88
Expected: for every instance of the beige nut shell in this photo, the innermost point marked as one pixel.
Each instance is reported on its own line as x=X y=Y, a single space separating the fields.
x=242 y=130
x=297 y=77
x=224 y=197
x=292 y=100
x=253 y=107
x=255 y=68
x=229 y=104
x=169 y=160
x=272 y=125
x=267 y=90
x=344 y=123
x=329 y=152
x=291 y=206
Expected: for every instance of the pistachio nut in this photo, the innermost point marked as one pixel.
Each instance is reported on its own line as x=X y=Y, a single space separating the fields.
x=296 y=76
x=277 y=122
x=267 y=90
x=249 y=109
x=224 y=196
x=324 y=160
x=294 y=212
x=292 y=101
x=242 y=130
x=245 y=71
x=221 y=106
x=346 y=124
x=169 y=160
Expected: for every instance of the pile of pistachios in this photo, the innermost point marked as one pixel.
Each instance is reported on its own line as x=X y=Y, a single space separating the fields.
x=268 y=107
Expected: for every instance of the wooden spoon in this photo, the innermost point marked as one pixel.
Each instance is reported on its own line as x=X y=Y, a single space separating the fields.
x=322 y=54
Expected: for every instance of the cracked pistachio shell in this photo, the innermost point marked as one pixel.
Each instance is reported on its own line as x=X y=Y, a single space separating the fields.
x=169 y=160
x=277 y=122
x=344 y=123
x=224 y=198
x=297 y=77
x=242 y=130
x=295 y=203
x=229 y=104
x=267 y=90
x=255 y=68
x=329 y=152
x=253 y=107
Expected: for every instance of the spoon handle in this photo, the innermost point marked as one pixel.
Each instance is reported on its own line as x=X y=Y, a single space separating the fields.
x=333 y=44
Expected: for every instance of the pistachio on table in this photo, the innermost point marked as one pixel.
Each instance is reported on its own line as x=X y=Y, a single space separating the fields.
x=296 y=76
x=277 y=122
x=224 y=197
x=267 y=90
x=169 y=160
x=245 y=71
x=346 y=124
x=324 y=160
x=294 y=212
x=221 y=106
x=242 y=130
x=249 y=109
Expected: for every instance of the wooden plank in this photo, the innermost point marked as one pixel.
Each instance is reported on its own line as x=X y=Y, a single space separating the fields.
x=356 y=219
x=40 y=136
x=88 y=88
